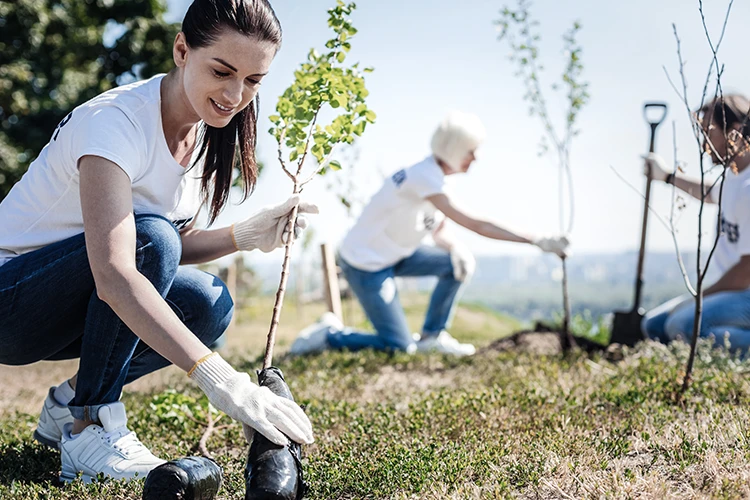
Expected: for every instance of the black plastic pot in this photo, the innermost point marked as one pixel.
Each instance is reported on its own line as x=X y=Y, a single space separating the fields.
x=274 y=472
x=191 y=478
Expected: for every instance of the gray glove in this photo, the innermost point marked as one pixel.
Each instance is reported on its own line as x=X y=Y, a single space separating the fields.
x=267 y=229
x=233 y=393
x=463 y=262
x=556 y=245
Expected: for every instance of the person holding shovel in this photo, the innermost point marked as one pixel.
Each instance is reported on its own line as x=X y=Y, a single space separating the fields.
x=726 y=306
x=93 y=238
x=386 y=242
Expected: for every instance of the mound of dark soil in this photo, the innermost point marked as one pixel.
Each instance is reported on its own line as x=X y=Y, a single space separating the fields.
x=542 y=340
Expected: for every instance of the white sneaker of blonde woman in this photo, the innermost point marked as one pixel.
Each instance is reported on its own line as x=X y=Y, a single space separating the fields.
x=109 y=449
x=314 y=338
x=444 y=343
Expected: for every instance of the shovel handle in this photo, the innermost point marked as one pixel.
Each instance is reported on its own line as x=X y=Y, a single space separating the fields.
x=654 y=123
x=644 y=226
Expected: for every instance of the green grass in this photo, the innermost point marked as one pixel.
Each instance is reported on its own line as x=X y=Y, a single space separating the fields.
x=494 y=426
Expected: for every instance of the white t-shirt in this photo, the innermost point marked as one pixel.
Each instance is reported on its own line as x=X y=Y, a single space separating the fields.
x=734 y=241
x=398 y=217
x=122 y=125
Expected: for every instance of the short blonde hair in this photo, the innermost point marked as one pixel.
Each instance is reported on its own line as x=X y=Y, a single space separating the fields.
x=457 y=135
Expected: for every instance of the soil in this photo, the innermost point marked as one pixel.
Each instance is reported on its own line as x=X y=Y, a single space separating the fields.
x=24 y=388
x=541 y=340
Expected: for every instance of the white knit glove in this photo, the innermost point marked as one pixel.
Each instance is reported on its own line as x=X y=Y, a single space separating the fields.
x=463 y=262
x=655 y=167
x=556 y=244
x=267 y=229
x=233 y=393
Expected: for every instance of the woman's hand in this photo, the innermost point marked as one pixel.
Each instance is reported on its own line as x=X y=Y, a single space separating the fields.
x=267 y=229
x=233 y=393
x=557 y=245
x=655 y=167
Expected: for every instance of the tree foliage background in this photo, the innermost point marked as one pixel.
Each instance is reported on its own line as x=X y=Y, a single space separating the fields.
x=53 y=58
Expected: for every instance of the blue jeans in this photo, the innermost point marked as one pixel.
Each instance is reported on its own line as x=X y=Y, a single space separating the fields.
x=49 y=310
x=723 y=312
x=378 y=295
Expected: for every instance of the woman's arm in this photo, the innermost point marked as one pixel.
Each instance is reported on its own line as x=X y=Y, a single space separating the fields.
x=655 y=167
x=736 y=278
x=109 y=225
x=204 y=245
x=480 y=226
x=265 y=230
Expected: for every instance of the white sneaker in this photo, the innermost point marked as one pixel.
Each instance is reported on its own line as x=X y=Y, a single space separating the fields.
x=109 y=449
x=314 y=338
x=53 y=418
x=446 y=344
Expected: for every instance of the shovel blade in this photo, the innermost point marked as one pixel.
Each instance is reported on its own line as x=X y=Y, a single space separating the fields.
x=626 y=328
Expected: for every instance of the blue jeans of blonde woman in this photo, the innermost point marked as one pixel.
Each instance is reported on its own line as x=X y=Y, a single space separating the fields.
x=378 y=295
x=723 y=313
x=49 y=310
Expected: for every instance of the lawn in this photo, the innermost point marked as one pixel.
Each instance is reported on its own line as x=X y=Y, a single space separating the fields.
x=497 y=425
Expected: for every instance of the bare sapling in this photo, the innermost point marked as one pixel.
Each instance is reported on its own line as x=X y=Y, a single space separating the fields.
x=520 y=31
x=712 y=98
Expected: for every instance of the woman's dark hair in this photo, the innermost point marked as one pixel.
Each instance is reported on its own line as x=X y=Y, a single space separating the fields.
x=204 y=21
x=729 y=110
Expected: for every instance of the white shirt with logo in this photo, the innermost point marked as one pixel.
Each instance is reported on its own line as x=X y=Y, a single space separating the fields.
x=397 y=218
x=734 y=241
x=122 y=125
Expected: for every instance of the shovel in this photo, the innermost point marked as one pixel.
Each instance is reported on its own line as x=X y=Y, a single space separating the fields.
x=626 y=327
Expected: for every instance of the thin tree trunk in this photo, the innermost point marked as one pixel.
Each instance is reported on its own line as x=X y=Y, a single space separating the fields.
x=268 y=358
x=568 y=342
x=697 y=318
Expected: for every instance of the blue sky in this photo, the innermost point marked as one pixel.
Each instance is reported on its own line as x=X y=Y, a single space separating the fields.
x=436 y=55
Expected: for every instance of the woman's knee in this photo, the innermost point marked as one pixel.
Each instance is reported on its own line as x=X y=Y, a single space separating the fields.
x=652 y=326
x=158 y=249
x=210 y=305
x=679 y=326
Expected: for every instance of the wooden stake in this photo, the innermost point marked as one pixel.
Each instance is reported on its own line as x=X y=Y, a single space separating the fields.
x=331 y=281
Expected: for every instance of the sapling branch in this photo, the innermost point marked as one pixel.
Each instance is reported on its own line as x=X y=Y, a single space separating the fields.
x=672 y=228
x=322 y=79
x=517 y=28
x=704 y=145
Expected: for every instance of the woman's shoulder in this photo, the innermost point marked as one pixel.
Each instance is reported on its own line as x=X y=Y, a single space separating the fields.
x=133 y=98
x=426 y=170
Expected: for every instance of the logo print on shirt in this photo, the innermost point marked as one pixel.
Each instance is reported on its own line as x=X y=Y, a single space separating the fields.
x=731 y=230
x=182 y=223
x=399 y=177
x=429 y=222
x=65 y=120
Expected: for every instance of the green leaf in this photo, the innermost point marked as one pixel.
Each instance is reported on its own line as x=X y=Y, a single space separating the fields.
x=335 y=165
x=359 y=129
x=341 y=56
x=342 y=99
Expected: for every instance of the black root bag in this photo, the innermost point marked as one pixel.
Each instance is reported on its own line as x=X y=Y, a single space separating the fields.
x=191 y=478
x=274 y=472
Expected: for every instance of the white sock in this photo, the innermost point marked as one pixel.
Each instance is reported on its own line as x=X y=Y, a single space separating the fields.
x=64 y=393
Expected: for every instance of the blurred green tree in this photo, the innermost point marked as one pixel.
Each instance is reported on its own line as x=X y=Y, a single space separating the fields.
x=53 y=57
